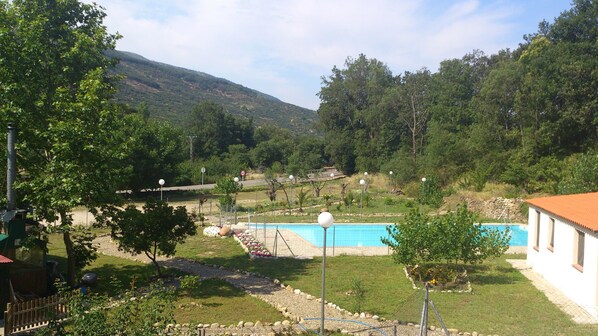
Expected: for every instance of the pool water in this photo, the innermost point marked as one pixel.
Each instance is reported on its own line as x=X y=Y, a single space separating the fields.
x=356 y=235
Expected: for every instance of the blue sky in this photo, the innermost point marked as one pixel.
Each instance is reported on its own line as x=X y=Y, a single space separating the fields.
x=284 y=47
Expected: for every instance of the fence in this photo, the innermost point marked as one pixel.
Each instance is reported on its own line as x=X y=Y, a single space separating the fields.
x=34 y=313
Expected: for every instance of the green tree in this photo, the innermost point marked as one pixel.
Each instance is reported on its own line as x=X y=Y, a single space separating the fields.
x=229 y=187
x=581 y=175
x=348 y=114
x=154 y=152
x=454 y=238
x=55 y=86
x=215 y=130
x=155 y=231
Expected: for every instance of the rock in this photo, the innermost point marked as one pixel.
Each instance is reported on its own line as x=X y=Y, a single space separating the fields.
x=240 y=324
x=286 y=323
x=362 y=315
x=297 y=291
x=376 y=317
x=258 y=324
x=276 y=282
x=248 y=324
x=277 y=323
x=199 y=326
x=453 y=331
x=225 y=231
x=344 y=331
x=309 y=297
x=214 y=325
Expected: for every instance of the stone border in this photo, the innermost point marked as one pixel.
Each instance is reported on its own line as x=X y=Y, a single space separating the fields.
x=468 y=290
x=290 y=325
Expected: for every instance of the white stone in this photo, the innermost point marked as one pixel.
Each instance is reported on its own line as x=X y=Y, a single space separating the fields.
x=240 y=324
x=362 y=315
x=376 y=317
x=286 y=323
x=248 y=324
x=297 y=291
x=214 y=325
x=276 y=282
x=258 y=324
x=277 y=323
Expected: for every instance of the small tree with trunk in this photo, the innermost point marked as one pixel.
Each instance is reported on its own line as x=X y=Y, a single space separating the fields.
x=154 y=231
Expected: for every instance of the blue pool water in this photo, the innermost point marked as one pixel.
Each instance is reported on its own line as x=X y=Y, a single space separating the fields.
x=351 y=235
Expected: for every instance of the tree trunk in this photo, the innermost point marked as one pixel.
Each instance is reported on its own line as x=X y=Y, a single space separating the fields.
x=153 y=258
x=70 y=254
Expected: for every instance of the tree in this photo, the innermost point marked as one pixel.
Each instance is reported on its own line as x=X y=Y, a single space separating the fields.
x=55 y=85
x=454 y=238
x=355 y=128
x=228 y=186
x=155 y=231
x=154 y=152
x=581 y=175
x=216 y=130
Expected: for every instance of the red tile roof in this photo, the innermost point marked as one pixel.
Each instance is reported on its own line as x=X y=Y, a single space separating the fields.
x=4 y=260
x=580 y=209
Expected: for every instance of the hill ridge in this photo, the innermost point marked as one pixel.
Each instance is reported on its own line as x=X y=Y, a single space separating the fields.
x=170 y=93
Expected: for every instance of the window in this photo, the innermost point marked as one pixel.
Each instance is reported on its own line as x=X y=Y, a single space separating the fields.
x=580 y=238
x=550 y=246
x=537 y=236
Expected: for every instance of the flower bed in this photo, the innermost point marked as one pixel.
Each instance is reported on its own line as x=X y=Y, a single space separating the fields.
x=252 y=246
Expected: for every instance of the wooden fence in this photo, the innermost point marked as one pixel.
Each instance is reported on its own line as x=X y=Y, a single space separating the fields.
x=34 y=313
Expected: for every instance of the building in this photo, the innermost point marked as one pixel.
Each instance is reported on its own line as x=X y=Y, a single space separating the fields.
x=563 y=245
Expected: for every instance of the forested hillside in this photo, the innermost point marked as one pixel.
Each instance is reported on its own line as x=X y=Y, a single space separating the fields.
x=527 y=117
x=169 y=93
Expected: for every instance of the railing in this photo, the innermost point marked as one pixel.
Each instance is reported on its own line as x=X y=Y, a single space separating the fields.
x=34 y=313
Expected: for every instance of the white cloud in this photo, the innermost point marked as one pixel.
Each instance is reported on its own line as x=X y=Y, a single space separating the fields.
x=282 y=48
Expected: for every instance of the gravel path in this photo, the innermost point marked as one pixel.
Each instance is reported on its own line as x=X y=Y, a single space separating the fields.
x=302 y=309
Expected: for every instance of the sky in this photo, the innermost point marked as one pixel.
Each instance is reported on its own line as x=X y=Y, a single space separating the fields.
x=284 y=47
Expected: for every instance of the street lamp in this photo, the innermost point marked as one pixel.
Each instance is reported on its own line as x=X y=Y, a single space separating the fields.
x=203 y=170
x=291 y=177
x=390 y=174
x=161 y=183
x=423 y=195
x=362 y=183
x=325 y=220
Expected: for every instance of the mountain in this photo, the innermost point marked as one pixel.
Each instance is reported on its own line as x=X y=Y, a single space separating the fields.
x=170 y=93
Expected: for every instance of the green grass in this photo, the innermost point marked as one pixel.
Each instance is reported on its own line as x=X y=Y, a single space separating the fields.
x=218 y=301
x=503 y=301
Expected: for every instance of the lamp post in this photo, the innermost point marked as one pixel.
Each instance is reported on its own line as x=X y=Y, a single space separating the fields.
x=161 y=183
x=325 y=220
x=362 y=183
x=390 y=174
x=291 y=178
x=233 y=206
x=423 y=196
x=203 y=170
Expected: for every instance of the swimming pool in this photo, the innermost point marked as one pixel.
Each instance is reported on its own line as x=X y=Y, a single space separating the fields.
x=357 y=235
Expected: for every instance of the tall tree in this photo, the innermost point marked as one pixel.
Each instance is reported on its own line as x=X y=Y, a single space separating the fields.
x=348 y=114
x=54 y=85
x=215 y=130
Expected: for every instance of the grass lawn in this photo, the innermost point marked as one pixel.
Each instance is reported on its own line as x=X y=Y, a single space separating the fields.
x=216 y=300
x=503 y=301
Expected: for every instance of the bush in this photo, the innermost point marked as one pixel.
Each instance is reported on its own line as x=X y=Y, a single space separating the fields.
x=452 y=238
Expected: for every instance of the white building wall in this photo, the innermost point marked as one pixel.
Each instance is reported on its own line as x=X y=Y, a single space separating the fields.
x=556 y=266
